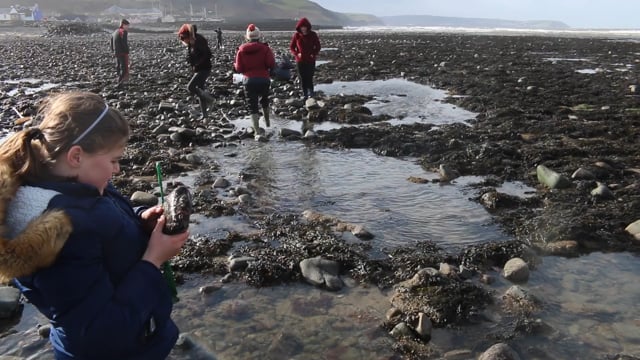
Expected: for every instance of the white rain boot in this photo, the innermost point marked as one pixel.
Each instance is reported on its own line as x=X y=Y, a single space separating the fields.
x=255 y=118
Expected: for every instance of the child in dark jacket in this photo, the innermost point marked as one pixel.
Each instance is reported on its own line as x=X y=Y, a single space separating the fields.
x=199 y=58
x=305 y=46
x=255 y=61
x=120 y=48
x=282 y=71
x=80 y=253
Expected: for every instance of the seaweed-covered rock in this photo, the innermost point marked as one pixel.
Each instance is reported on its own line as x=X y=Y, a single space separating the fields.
x=445 y=300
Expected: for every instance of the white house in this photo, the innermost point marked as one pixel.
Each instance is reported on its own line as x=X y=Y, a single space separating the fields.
x=10 y=14
x=20 y=14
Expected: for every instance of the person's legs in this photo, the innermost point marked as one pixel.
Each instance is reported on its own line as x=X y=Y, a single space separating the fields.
x=119 y=68
x=122 y=68
x=196 y=86
x=302 y=74
x=125 y=67
x=252 y=92
x=264 y=102
x=306 y=72
x=310 y=73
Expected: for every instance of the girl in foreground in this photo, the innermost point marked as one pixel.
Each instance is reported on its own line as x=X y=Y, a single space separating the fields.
x=80 y=253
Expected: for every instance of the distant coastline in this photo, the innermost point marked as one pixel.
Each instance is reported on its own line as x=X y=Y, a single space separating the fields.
x=571 y=32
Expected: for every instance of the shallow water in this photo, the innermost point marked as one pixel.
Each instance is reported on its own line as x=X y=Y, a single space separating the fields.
x=42 y=86
x=589 y=302
x=404 y=100
x=589 y=307
x=359 y=187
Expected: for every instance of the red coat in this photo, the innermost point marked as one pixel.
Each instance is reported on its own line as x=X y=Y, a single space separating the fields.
x=305 y=48
x=254 y=59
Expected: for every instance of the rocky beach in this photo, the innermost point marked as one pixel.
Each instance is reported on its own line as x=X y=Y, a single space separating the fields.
x=559 y=113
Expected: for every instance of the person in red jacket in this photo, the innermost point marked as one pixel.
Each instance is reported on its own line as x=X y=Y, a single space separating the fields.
x=305 y=46
x=255 y=61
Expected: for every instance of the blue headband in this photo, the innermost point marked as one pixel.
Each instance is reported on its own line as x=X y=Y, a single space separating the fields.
x=95 y=122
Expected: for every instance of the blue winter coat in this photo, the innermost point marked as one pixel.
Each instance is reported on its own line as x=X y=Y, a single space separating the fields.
x=103 y=301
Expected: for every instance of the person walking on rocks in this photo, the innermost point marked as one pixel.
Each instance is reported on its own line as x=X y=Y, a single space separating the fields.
x=199 y=58
x=255 y=61
x=120 y=48
x=305 y=46
x=218 y=38
x=80 y=253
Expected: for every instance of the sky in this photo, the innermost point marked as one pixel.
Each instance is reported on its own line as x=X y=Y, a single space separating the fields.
x=612 y=14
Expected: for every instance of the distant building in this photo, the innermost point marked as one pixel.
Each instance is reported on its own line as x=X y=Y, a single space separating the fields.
x=4 y=14
x=10 y=14
x=21 y=13
x=133 y=15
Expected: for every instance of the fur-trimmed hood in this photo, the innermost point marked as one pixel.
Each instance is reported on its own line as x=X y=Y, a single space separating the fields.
x=30 y=239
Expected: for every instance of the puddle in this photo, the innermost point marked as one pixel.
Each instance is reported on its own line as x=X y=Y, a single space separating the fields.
x=588 y=71
x=555 y=59
x=30 y=89
x=407 y=102
x=360 y=187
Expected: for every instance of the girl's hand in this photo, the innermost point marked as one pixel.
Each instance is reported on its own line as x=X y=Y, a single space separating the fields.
x=163 y=247
x=150 y=218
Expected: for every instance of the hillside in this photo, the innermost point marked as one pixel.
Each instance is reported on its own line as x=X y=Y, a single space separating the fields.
x=230 y=10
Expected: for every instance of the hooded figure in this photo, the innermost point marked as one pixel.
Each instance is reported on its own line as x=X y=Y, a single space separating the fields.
x=305 y=46
x=255 y=61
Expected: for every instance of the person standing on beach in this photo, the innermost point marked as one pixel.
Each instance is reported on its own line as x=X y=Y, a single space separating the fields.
x=120 y=48
x=79 y=252
x=255 y=61
x=305 y=46
x=199 y=58
x=219 y=38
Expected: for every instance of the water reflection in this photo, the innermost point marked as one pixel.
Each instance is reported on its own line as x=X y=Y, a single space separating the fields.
x=360 y=187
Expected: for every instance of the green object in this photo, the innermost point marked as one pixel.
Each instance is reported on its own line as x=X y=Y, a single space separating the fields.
x=159 y=175
x=167 y=271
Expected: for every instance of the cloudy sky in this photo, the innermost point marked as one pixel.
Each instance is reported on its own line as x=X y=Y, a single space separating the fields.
x=575 y=13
